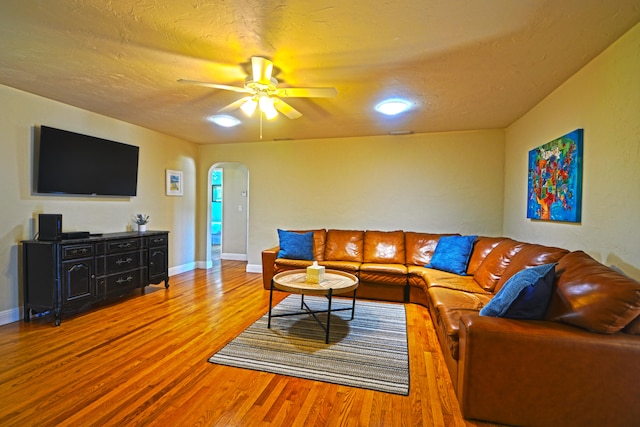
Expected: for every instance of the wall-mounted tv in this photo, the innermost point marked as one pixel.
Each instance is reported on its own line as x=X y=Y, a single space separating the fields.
x=72 y=163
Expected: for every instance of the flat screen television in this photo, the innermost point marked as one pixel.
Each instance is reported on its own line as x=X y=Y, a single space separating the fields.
x=72 y=163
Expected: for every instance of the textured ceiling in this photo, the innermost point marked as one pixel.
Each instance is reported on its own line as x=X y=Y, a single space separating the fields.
x=465 y=64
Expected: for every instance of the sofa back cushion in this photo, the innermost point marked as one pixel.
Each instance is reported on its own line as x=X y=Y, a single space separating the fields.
x=593 y=296
x=481 y=249
x=344 y=245
x=420 y=247
x=531 y=255
x=495 y=263
x=319 y=240
x=384 y=247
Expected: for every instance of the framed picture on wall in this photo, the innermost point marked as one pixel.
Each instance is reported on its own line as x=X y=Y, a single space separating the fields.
x=174 y=183
x=555 y=179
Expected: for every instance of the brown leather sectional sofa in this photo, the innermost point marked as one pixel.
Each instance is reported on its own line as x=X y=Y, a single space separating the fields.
x=580 y=366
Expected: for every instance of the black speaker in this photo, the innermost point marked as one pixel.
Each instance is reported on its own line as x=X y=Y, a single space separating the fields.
x=49 y=227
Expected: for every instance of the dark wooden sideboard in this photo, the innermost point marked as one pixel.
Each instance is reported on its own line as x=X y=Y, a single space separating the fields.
x=71 y=275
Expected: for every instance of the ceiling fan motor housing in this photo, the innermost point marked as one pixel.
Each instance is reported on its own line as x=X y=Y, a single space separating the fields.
x=261 y=89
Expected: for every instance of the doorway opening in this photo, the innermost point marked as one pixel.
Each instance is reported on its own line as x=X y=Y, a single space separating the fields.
x=216 y=214
x=227 y=213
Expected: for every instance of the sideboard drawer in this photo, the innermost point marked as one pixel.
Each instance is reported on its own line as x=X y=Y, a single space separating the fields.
x=124 y=245
x=77 y=251
x=124 y=261
x=156 y=241
x=120 y=284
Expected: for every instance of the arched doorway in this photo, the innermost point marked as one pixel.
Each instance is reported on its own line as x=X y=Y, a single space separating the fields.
x=227 y=212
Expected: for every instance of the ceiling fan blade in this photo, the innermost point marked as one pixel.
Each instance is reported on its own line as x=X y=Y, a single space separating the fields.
x=215 y=86
x=306 y=92
x=287 y=109
x=261 y=69
x=234 y=105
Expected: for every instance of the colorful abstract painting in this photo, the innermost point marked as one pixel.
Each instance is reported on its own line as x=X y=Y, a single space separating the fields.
x=555 y=179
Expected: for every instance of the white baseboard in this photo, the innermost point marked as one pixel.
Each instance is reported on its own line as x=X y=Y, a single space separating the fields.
x=13 y=314
x=203 y=265
x=233 y=257
x=182 y=268
x=254 y=268
x=9 y=316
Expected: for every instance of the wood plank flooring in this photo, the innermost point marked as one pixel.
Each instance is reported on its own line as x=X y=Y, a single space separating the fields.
x=143 y=361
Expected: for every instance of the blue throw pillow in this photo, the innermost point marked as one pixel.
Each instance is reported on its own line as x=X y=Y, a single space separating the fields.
x=525 y=295
x=452 y=254
x=295 y=245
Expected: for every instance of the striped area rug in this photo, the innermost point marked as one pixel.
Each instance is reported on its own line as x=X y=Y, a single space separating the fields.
x=369 y=351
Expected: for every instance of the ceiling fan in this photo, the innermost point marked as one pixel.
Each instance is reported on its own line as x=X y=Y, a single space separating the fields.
x=264 y=93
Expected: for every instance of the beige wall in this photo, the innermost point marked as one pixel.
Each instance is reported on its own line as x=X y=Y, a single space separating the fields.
x=604 y=99
x=467 y=182
x=19 y=207
x=447 y=182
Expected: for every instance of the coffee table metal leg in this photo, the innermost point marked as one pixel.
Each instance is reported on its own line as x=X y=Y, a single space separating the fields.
x=270 y=303
x=353 y=306
x=326 y=341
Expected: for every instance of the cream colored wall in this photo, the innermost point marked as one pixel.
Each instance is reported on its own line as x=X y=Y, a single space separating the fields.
x=19 y=207
x=604 y=99
x=445 y=182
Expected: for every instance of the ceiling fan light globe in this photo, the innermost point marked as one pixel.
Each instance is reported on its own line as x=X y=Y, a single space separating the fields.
x=266 y=106
x=249 y=107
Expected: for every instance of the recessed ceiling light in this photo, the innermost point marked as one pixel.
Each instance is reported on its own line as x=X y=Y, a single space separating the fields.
x=393 y=106
x=225 y=121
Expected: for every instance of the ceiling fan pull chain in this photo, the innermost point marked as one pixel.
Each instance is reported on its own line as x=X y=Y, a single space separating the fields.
x=260 y=125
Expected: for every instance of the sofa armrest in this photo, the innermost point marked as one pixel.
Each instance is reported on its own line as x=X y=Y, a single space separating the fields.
x=268 y=265
x=546 y=373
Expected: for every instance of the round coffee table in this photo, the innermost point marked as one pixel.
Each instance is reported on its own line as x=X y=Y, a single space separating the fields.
x=295 y=281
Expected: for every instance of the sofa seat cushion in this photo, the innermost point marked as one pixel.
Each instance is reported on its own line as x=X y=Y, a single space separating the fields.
x=384 y=247
x=448 y=305
x=388 y=274
x=348 y=266
x=288 y=264
x=444 y=320
x=398 y=269
x=593 y=296
x=451 y=299
x=414 y=276
x=344 y=245
x=443 y=279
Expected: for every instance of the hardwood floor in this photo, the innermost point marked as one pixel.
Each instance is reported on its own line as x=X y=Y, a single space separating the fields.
x=143 y=361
